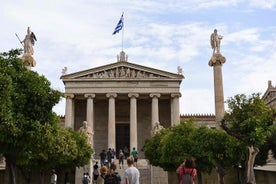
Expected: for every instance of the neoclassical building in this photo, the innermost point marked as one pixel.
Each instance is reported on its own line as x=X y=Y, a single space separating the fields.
x=122 y=102
x=270 y=95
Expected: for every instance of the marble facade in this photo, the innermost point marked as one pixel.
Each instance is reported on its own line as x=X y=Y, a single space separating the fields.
x=121 y=102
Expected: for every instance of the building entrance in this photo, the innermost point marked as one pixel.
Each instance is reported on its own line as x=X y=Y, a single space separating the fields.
x=122 y=137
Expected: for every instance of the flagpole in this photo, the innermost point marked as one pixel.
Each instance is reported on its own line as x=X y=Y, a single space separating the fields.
x=123 y=33
x=123 y=40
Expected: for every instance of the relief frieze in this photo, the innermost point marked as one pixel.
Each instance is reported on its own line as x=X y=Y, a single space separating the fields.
x=122 y=72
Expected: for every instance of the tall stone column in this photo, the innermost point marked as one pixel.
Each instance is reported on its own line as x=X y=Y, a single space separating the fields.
x=111 y=121
x=133 y=120
x=216 y=62
x=69 y=118
x=90 y=114
x=175 y=115
x=154 y=109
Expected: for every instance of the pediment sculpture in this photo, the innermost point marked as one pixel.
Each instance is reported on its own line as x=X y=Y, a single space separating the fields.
x=122 y=72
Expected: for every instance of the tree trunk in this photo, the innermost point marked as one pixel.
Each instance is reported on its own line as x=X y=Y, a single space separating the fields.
x=26 y=173
x=11 y=171
x=221 y=174
x=42 y=176
x=250 y=176
x=172 y=177
x=199 y=177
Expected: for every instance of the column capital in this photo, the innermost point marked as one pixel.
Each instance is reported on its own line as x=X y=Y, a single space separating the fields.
x=89 y=95
x=69 y=95
x=155 y=95
x=111 y=95
x=175 y=95
x=217 y=59
x=133 y=95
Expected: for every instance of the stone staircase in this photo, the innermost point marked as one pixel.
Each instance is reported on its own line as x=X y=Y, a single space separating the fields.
x=142 y=166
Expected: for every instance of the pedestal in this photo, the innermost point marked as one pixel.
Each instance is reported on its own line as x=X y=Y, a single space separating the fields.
x=86 y=169
x=28 y=61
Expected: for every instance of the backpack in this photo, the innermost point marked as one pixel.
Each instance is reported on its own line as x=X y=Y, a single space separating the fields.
x=85 y=180
x=111 y=179
x=187 y=178
x=121 y=155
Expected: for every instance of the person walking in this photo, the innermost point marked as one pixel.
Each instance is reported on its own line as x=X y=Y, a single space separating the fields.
x=103 y=172
x=109 y=155
x=112 y=177
x=95 y=172
x=126 y=152
x=132 y=174
x=121 y=159
x=187 y=171
x=134 y=154
x=103 y=157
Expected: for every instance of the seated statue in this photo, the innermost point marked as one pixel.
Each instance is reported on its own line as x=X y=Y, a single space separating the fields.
x=157 y=127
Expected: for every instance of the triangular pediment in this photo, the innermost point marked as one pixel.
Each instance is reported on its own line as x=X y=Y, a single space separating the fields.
x=122 y=71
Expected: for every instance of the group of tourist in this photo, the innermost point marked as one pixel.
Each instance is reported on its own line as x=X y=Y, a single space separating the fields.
x=110 y=176
x=107 y=173
x=106 y=158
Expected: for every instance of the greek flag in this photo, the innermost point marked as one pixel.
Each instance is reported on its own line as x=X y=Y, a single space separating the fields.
x=120 y=25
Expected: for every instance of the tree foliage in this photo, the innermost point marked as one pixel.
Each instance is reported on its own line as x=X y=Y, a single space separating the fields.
x=249 y=120
x=209 y=147
x=30 y=137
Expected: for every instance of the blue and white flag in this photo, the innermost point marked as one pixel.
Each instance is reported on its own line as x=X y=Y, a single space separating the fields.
x=120 y=25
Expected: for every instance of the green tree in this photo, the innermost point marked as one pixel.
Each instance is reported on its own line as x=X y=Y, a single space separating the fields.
x=210 y=148
x=224 y=149
x=248 y=120
x=170 y=147
x=29 y=135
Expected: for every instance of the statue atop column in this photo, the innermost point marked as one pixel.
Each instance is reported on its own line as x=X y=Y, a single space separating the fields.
x=216 y=61
x=87 y=131
x=29 y=41
x=28 y=44
x=217 y=57
x=215 y=40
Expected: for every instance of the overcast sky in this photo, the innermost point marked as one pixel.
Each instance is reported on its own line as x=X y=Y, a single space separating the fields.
x=160 y=34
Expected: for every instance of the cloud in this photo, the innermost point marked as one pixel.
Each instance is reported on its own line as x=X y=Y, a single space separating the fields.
x=159 y=34
x=197 y=101
x=265 y=4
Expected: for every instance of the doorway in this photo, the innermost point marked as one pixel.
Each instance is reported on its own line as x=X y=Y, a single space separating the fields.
x=122 y=137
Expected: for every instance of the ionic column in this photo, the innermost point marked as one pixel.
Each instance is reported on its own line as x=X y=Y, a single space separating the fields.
x=90 y=114
x=154 y=109
x=175 y=115
x=133 y=120
x=69 y=111
x=111 y=121
x=216 y=61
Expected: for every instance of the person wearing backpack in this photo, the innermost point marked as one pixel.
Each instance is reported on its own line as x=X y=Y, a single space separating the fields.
x=112 y=177
x=121 y=159
x=187 y=172
x=86 y=178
